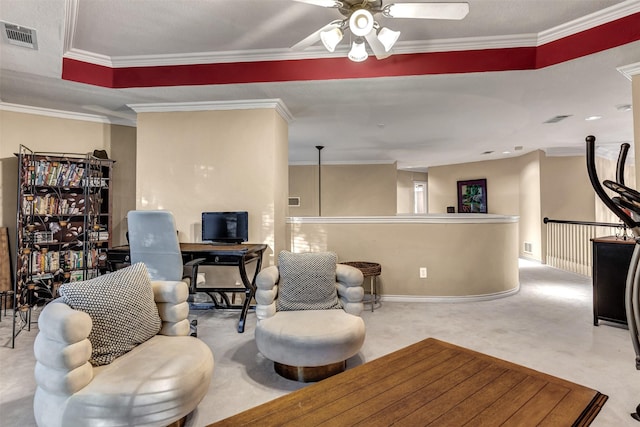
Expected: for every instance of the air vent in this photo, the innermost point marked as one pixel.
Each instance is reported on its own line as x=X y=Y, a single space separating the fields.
x=528 y=247
x=294 y=201
x=557 y=119
x=19 y=36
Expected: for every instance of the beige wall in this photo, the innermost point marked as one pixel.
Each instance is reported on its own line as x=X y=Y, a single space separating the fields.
x=55 y=134
x=607 y=170
x=530 y=204
x=191 y=162
x=456 y=264
x=502 y=185
x=123 y=148
x=564 y=183
x=532 y=186
x=303 y=183
x=405 y=190
x=347 y=190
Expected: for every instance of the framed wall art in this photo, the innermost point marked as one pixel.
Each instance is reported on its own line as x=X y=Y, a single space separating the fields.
x=472 y=196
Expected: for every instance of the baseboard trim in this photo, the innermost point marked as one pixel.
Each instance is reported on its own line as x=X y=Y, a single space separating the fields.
x=449 y=299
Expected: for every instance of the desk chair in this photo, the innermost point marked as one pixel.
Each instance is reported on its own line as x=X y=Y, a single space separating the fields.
x=153 y=240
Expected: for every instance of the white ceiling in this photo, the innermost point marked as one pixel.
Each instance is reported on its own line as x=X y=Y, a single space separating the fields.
x=418 y=121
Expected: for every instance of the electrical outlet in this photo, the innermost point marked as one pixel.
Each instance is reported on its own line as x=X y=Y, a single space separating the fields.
x=423 y=272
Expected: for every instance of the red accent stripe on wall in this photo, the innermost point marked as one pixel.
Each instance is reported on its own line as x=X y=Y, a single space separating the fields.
x=85 y=72
x=303 y=69
x=606 y=36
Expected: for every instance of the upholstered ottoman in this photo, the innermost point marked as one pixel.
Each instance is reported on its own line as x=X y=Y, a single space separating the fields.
x=310 y=336
x=320 y=339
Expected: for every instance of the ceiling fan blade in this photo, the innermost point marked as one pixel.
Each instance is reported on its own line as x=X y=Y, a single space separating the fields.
x=323 y=3
x=376 y=45
x=314 y=37
x=426 y=10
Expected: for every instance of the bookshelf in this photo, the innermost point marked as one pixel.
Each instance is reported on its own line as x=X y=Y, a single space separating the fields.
x=63 y=224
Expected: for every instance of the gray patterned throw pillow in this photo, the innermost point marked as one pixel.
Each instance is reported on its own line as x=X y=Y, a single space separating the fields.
x=121 y=307
x=307 y=281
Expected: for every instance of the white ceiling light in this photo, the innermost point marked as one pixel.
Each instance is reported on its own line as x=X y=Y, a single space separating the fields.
x=592 y=118
x=331 y=38
x=358 y=52
x=388 y=37
x=361 y=22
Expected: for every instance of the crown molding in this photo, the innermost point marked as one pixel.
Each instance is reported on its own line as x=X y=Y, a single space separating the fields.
x=60 y=114
x=610 y=14
x=250 y=104
x=604 y=16
x=564 y=151
x=343 y=162
x=89 y=57
x=199 y=58
x=608 y=151
x=314 y=52
x=70 y=19
x=630 y=70
x=467 y=43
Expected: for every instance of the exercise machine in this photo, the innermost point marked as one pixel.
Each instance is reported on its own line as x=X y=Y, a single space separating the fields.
x=626 y=206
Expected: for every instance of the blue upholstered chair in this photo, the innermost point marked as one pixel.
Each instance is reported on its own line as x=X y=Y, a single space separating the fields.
x=153 y=240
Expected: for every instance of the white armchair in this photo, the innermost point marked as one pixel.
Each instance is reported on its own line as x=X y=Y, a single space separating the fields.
x=310 y=339
x=156 y=383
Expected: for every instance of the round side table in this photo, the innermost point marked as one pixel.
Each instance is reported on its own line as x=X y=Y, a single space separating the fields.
x=371 y=270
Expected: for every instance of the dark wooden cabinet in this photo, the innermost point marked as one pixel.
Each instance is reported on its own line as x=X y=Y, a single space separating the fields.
x=611 y=258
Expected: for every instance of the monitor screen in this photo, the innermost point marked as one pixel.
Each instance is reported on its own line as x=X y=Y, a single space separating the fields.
x=225 y=227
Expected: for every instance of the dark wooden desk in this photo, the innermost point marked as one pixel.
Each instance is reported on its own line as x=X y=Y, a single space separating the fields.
x=238 y=256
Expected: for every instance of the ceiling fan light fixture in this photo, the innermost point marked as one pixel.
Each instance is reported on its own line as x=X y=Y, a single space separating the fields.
x=331 y=38
x=361 y=22
x=358 y=52
x=323 y=3
x=388 y=38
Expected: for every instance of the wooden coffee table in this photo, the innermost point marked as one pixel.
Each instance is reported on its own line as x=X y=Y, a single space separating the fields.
x=431 y=383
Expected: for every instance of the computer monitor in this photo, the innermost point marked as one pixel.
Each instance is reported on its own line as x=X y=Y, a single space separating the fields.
x=225 y=227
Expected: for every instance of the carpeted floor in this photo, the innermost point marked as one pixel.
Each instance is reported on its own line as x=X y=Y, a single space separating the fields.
x=547 y=326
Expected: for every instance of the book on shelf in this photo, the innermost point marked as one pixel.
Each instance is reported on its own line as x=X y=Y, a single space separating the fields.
x=51 y=261
x=76 y=276
x=45 y=262
x=99 y=235
x=43 y=237
x=55 y=173
x=50 y=204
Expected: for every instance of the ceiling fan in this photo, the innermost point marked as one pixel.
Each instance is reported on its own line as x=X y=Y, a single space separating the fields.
x=359 y=19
